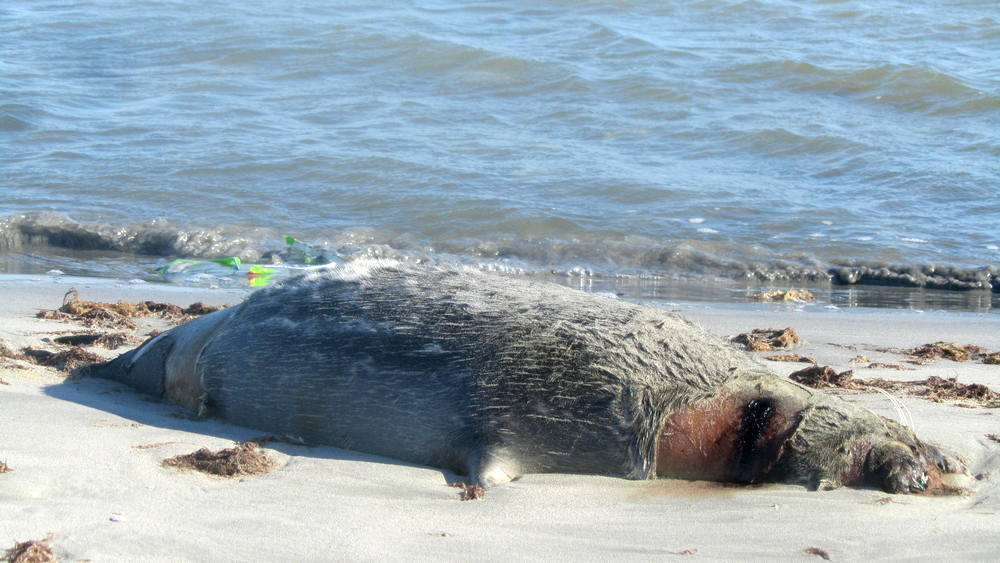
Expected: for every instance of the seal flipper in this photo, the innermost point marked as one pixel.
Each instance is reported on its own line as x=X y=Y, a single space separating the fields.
x=142 y=368
x=488 y=467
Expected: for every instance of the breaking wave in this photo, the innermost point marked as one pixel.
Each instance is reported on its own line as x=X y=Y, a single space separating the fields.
x=133 y=247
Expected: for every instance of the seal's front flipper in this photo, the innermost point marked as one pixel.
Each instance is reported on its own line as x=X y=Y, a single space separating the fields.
x=489 y=468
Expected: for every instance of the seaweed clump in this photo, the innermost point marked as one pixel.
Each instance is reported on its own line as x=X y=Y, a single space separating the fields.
x=937 y=389
x=243 y=459
x=9 y=354
x=821 y=553
x=768 y=339
x=947 y=350
x=120 y=315
x=31 y=551
x=64 y=360
x=109 y=340
x=470 y=492
x=791 y=358
x=928 y=353
x=824 y=376
x=785 y=295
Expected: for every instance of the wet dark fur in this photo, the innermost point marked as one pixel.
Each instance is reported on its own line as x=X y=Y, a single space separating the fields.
x=494 y=377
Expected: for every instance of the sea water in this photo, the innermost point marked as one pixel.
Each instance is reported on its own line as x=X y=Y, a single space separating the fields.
x=818 y=142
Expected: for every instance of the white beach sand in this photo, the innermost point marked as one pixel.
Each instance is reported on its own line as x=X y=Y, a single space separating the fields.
x=77 y=473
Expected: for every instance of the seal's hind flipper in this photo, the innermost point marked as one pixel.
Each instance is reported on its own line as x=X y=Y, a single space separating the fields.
x=141 y=368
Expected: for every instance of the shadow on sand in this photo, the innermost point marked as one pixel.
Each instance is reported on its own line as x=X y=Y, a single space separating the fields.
x=120 y=400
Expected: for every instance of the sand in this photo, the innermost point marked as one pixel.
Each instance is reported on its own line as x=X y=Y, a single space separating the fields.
x=85 y=466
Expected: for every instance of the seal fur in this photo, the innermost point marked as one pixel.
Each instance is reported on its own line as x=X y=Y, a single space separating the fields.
x=494 y=377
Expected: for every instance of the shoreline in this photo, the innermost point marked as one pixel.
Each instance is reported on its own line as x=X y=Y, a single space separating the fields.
x=85 y=466
x=659 y=291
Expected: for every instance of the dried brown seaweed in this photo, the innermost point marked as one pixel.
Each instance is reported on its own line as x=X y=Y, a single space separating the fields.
x=469 y=492
x=6 y=352
x=767 y=339
x=64 y=360
x=881 y=365
x=31 y=551
x=120 y=315
x=947 y=350
x=153 y=445
x=784 y=295
x=950 y=351
x=937 y=389
x=823 y=376
x=243 y=459
x=109 y=340
x=817 y=552
x=791 y=358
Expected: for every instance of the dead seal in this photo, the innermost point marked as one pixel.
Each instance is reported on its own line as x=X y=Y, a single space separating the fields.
x=494 y=377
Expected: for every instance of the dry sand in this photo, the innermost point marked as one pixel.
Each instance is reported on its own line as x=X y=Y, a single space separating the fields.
x=85 y=466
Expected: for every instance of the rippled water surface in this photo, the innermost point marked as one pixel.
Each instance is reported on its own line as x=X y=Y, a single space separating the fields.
x=768 y=139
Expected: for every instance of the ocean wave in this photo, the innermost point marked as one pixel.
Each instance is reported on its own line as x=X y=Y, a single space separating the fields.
x=905 y=87
x=617 y=256
x=154 y=238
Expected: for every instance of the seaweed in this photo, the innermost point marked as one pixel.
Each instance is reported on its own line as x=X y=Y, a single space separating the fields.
x=153 y=445
x=469 y=492
x=243 y=459
x=198 y=309
x=65 y=360
x=780 y=295
x=768 y=339
x=6 y=352
x=948 y=350
x=791 y=358
x=120 y=315
x=881 y=501
x=880 y=365
x=823 y=376
x=940 y=389
x=109 y=340
x=929 y=353
x=817 y=552
x=31 y=551
x=937 y=389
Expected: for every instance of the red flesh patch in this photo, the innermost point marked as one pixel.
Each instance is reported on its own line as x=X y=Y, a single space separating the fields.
x=703 y=441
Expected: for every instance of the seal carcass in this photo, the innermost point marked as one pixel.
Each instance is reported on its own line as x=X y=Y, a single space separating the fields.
x=493 y=377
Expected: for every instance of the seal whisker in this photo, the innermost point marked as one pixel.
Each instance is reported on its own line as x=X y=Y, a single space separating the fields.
x=903 y=413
